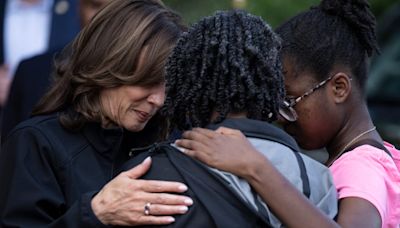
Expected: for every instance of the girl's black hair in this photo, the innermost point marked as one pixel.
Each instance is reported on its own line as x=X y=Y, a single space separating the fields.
x=225 y=63
x=335 y=33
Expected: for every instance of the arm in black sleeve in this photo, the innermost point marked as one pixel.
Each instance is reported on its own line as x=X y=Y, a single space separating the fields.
x=30 y=192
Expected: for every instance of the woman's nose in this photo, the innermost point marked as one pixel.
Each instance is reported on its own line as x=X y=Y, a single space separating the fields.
x=157 y=98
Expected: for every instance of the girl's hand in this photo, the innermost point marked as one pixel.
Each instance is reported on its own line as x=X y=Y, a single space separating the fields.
x=225 y=149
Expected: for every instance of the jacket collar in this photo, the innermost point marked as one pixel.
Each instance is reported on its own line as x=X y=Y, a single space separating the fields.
x=258 y=129
x=103 y=140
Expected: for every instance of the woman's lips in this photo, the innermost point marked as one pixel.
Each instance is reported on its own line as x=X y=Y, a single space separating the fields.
x=143 y=116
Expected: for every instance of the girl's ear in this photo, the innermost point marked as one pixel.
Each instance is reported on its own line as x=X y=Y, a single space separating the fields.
x=341 y=87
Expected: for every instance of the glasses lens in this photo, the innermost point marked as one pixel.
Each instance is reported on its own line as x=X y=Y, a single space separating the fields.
x=287 y=112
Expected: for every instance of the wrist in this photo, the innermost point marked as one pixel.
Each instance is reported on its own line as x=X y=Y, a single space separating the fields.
x=255 y=168
x=97 y=211
x=88 y=217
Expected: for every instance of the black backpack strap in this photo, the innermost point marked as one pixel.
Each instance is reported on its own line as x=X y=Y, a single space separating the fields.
x=303 y=175
x=370 y=142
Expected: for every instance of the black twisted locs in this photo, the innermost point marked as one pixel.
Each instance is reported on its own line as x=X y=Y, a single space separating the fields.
x=225 y=63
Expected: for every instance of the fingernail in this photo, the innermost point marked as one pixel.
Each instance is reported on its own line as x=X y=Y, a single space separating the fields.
x=188 y=201
x=147 y=160
x=183 y=209
x=183 y=188
x=171 y=219
x=181 y=149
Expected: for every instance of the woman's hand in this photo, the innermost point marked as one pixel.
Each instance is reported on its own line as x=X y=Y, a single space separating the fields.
x=122 y=201
x=225 y=149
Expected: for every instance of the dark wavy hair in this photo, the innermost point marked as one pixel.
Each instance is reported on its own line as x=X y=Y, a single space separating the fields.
x=334 y=33
x=106 y=53
x=225 y=63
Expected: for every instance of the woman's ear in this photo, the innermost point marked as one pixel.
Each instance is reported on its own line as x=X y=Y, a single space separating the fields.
x=341 y=87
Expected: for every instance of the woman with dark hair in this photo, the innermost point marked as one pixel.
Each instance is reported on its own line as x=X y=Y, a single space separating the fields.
x=226 y=71
x=57 y=169
x=325 y=53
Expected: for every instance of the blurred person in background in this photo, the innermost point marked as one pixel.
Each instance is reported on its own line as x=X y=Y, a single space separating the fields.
x=29 y=28
x=33 y=76
x=57 y=169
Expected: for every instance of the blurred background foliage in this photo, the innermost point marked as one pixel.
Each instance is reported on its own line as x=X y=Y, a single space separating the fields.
x=273 y=11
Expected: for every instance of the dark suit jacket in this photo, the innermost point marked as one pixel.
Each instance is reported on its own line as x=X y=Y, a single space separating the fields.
x=31 y=81
x=63 y=29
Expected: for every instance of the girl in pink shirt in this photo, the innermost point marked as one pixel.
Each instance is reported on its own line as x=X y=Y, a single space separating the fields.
x=369 y=173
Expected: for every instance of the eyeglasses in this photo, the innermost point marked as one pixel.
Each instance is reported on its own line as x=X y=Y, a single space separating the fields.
x=287 y=111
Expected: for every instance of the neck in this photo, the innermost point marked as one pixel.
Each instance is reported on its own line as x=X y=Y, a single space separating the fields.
x=356 y=126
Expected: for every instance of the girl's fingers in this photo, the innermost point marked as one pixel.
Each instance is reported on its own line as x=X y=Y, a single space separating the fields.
x=205 y=132
x=228 y=131
x=190 y=144
x=197 y=135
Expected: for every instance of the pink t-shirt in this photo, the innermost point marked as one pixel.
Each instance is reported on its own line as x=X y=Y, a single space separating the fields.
x=370 y=173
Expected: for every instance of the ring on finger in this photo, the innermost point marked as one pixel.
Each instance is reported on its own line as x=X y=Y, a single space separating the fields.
x=147 y=209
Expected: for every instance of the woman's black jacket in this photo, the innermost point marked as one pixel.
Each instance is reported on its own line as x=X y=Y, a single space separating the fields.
x=48 y=175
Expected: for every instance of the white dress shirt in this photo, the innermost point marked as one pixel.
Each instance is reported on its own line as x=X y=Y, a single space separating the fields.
x=26 y=30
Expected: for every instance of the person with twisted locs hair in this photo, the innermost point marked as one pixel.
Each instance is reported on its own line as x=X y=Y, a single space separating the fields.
x=226 y=64
x=325 y=53
x=58 y=169
x=226 y=72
